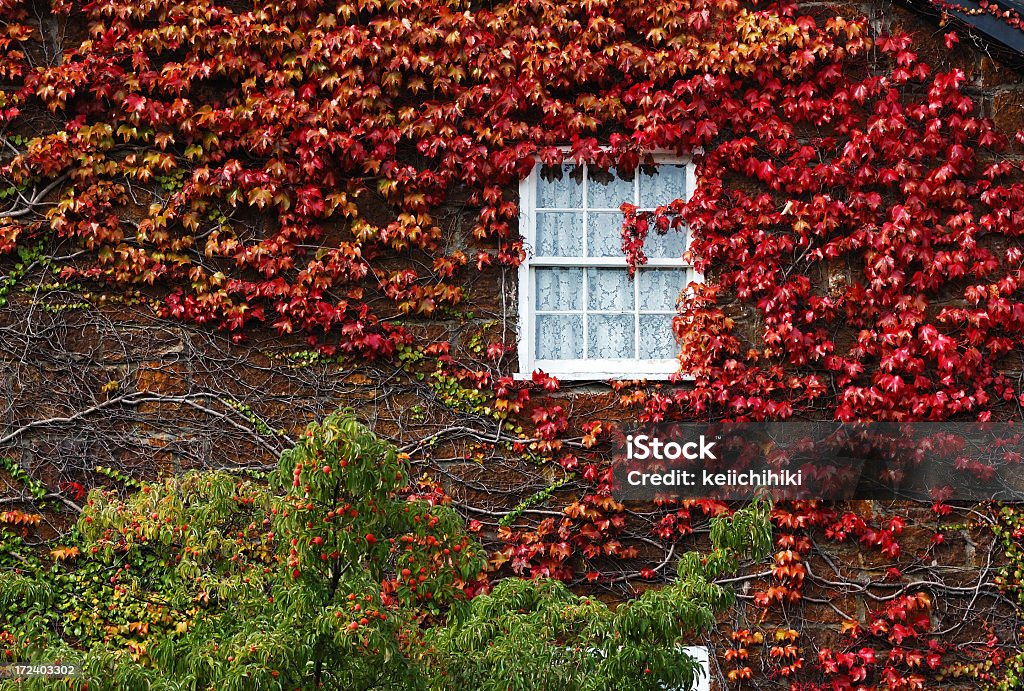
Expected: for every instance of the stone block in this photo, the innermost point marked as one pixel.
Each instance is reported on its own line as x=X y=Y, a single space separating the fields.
x=153 y=376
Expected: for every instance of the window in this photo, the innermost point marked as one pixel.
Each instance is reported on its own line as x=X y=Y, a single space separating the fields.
x=580 y=315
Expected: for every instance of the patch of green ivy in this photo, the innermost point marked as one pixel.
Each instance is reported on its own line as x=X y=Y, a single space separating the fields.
x=30 y=256
x=300 y=359
x=173 y=182
x=477 y=343
x=458 y=397
x=66 y=307
x=408 y=358
x=6 y=192
x=21 y=476
x=27 y=256
x=262 y=428
x=118 y=476
x=537 y=498
x=1009 y=531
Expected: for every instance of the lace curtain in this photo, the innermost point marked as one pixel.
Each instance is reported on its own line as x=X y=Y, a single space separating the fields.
x=622 y=320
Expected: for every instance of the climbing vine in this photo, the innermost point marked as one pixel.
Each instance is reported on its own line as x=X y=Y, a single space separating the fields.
x=296 y=166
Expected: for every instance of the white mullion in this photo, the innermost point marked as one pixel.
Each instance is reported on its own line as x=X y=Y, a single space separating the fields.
x=636 y=276
x=636 y=314
x=586 y=215
x=586 y=307
x=586 y=255
x=531 y=344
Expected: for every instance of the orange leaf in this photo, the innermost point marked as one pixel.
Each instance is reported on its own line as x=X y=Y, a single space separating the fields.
x=62 y=553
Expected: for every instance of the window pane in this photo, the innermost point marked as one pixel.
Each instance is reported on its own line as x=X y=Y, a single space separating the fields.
x=606 y=189
x=671 y=245
x=659 y=288
x=609 y=289
x=559 y=289
x=559 y=337
x=604 y=234
x=560 y=187
x=610 y=336
x=661 y=184
x=559 y=234
x=657 y=342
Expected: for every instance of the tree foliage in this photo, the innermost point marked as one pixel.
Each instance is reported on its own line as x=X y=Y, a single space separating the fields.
x=209 y=581
x=537 y=634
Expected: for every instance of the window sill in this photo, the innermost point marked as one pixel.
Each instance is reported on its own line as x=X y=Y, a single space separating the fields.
x=567 y=371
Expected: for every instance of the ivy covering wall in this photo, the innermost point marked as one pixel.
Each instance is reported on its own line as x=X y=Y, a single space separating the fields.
x=233 y=213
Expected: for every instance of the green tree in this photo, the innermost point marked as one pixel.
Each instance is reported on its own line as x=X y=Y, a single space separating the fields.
x=330 y=575
x=323 y=575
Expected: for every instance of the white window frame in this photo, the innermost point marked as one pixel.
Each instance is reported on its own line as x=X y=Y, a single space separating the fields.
x=585 y=369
